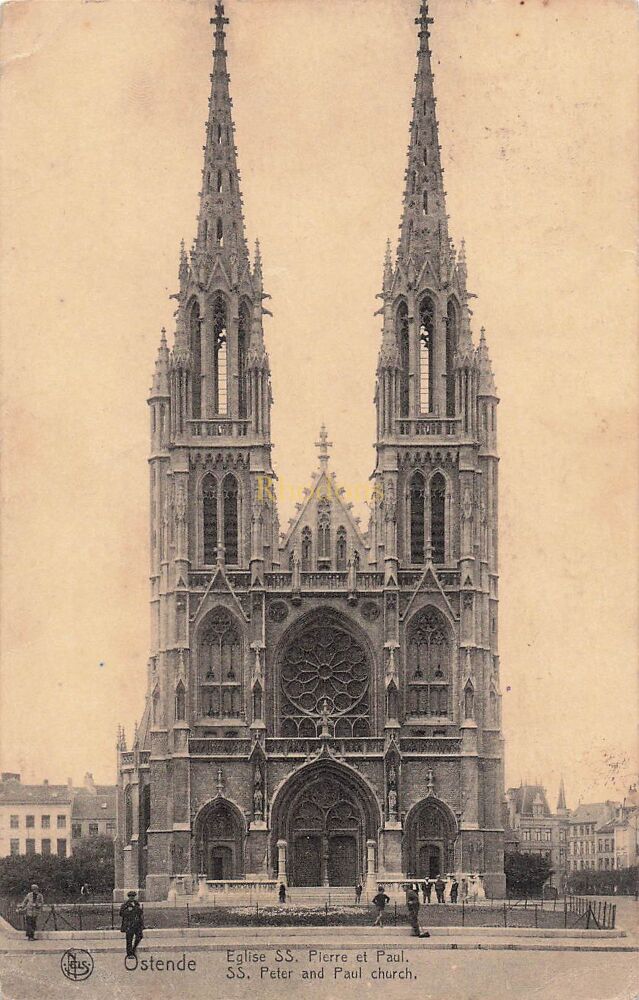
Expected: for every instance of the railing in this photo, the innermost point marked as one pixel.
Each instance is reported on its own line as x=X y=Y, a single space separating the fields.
x=324 y=580
x=278 y=581
x=430 y=426
x=220 y=747
x=218 y=428
x=370 y=581
x=289 y=746
x=430 y=744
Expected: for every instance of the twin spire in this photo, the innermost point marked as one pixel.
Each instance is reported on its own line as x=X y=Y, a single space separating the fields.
x=424 y=225
x=221 y=220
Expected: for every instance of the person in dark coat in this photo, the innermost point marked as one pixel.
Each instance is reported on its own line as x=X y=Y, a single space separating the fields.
x=282 y=893
x=358 y=892
x=454 y=889
x=440 y=885
x=380 y=902
x=412 y=903
x=31 y=906
x=427 y=888
x=132 y=916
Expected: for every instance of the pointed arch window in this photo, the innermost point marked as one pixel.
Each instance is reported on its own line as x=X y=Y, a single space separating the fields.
x=180 y=702
x=451 y=348
x=417 y=512
x=220 y=668
x=219 y=135
x=307 y=550
x=426 y=343
x=324 y=534
x=195 y=337
x=403 y=343
x=429 y=665
x=425 y=156
x=231 y=519
x=414 y=182
x=493 y=706
x=209 y=520
x=242 y=342
x=220 y=391
x=219 y=181
x=438 y=517
x=230 y=180
x=219 y=233
x=425 y=201
x=340 y=549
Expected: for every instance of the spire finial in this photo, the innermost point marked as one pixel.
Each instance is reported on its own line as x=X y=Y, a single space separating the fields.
x=323 y=445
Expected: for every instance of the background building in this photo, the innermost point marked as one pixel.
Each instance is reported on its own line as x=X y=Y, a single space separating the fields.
x=592 y=836
x=538 y=830
x=93 y=811
x=324 y=706
x=50 y=819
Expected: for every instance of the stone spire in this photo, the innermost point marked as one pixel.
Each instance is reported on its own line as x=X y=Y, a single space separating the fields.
x=256 y=356
x=486 y=377
x=220 y=221
x=561 y=801
x=160 y=386
x=424 y=225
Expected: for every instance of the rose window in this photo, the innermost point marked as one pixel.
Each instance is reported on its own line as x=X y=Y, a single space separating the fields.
x=325 y=672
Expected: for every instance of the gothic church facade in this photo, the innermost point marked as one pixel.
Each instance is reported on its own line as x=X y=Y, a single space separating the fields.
x=323 y=706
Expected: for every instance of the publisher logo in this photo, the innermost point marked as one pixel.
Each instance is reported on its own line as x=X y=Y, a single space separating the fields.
x=77 y=964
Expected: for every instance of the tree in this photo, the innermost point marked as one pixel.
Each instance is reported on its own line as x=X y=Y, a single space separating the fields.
x=526 y=873
x=92 y=862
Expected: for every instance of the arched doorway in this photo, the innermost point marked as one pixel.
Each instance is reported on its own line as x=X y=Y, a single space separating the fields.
x=325 y=814
x=430 y=839
x=219 y=839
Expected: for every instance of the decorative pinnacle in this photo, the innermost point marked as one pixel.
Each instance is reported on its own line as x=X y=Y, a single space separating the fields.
x=323 y=445
x=423 y=21
x=388 y=266
x=257 y=266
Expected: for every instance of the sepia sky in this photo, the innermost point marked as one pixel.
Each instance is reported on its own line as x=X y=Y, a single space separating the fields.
x=102 y=112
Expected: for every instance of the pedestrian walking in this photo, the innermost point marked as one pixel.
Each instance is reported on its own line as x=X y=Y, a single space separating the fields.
x=412 y=904
x=282 y=893
x=380 y=902
x=31 y=906
x=439 y=889
x=85 y=892
x=132 y=916
x=427 y=888
x=454 y=890
x=358 y=892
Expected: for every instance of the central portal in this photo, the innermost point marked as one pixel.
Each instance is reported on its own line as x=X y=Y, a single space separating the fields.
x=326 y=834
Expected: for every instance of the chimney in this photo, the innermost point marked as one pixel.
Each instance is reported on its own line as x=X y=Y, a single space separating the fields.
x=89 y=784
x=45 y=781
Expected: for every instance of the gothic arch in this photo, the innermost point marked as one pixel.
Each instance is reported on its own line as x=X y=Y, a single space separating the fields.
x=438 y=495
x=453 y=312
x=219 y=352
x=231 y=518
x=219 y=835
x=325 y=655
x=402 y=333
x=430 y=832
x=219 y=663
x=243 y=337
x=325 y=812
x=207 y=518
x=195 y=344
x=416 y=519
x=426 y=345
x=430 y=663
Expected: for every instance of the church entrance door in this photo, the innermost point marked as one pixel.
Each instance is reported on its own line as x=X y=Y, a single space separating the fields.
x=429 y=840
x=430 y=865
x=221 y=862
x=326 y=834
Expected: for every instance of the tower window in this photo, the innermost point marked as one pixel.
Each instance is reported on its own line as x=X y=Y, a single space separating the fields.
x=425 y=201
x=414 y=182
x=219 y=135
x=219 y=233
x=417 y=506
x=404 y=356
x=231 y=552
x=230 y=181
x=437 y=517
x=451 y=348
x=242 y=340
x=219 y=181
x=426 y=372
x=221 y=668
x=307 y=550
x=428 y=665
x=209 y=520
x=220 y=375
x=425 y=156
x=195 y=326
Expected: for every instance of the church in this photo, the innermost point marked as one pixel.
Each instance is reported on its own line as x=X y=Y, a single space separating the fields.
x=323 y=705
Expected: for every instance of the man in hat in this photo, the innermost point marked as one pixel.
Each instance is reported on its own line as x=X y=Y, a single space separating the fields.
x=380 y=902
x=31 y=906
x=412 y=903
x=132 y=916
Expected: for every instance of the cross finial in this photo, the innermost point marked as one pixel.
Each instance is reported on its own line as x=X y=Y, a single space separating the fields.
x=323 y=445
